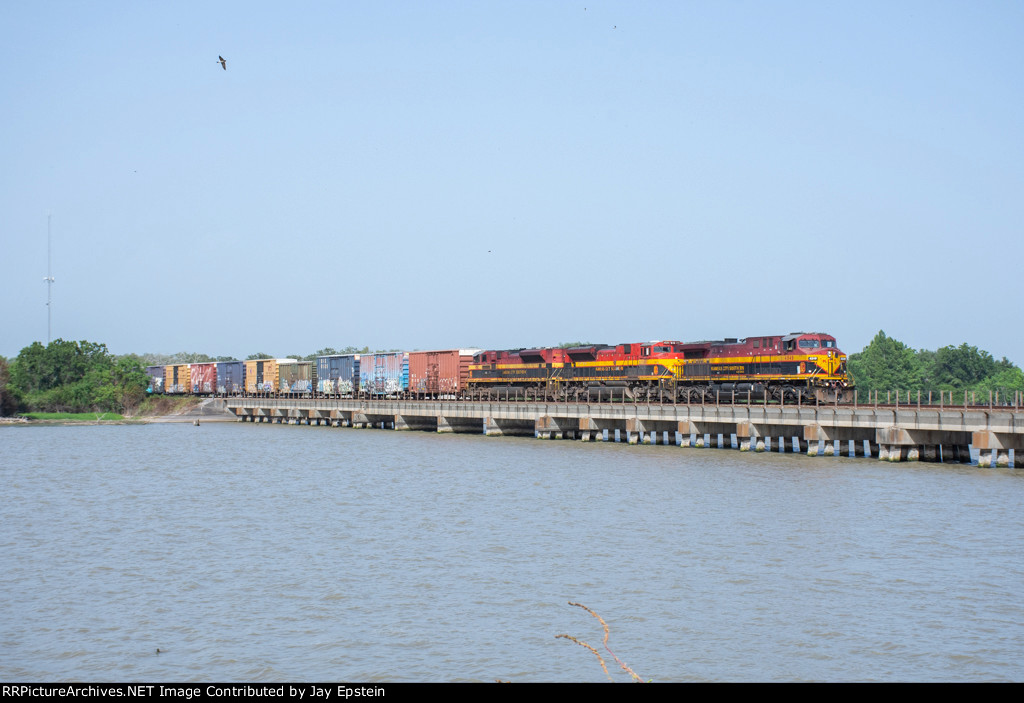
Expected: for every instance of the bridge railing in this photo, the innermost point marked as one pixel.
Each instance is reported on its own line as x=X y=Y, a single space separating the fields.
x=1003 y=399
x=858 y=398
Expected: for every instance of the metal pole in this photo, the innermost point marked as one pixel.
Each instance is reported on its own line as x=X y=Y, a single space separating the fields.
x=49 y=284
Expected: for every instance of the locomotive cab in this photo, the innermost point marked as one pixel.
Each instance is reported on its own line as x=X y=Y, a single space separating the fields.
x=661 y=350
x=821 y=357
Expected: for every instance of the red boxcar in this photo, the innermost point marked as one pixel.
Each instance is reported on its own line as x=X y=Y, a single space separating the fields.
x=439 y=373
x=204 y=378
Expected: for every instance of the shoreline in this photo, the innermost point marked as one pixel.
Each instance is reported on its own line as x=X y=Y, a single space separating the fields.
x=156 y=419
x=207 y=411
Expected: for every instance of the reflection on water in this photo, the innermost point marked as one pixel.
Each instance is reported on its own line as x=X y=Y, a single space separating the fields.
x=277 y=552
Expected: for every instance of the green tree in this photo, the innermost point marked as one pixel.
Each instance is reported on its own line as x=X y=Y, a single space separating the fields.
x=1006 y=382
x=331 y=351
x=190 y=358
x=257 y=356
x=77 y=377
x=10 y=398
x=60 y=363
x=129 y=381
x=885 y=364
x=962 y=367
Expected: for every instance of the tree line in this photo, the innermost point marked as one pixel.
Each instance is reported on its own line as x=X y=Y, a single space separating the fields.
x=887 y=364
x=149 y=359
x=66 y=376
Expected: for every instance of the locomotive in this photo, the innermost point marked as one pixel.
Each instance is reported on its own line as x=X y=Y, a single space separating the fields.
x=800 y=366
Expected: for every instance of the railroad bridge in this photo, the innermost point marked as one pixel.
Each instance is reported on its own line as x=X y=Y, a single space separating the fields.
x=889 y=433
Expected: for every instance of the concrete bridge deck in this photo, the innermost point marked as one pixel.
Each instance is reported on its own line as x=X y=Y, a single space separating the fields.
x=893 y=434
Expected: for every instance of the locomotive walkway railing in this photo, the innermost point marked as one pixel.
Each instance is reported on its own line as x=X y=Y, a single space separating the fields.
x=888 y=431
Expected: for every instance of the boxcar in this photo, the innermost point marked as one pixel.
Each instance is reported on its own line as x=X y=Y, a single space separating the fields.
x=230 y=377
x=294 y=376
x=439 y=373
x=383 y=373
x=156 y=376
x=177 y=378
x=261 y=376
x=203 y=378
x=338 y=374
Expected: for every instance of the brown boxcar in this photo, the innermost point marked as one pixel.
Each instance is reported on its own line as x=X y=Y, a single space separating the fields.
x=203 y=378
x=261 y=376
x=177 y=378
x=439 y=373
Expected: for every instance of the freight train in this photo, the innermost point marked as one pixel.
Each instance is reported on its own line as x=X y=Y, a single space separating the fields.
x=795 y=367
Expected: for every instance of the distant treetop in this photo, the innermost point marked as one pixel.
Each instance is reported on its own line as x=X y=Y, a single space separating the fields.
x=887 y=364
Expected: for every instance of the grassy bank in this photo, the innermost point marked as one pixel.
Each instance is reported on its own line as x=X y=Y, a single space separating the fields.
x=76 y=416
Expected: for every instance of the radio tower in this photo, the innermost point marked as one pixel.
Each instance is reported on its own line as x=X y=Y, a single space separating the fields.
x=49 y=281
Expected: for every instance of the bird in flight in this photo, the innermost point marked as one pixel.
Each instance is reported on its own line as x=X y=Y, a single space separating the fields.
x=222 y=62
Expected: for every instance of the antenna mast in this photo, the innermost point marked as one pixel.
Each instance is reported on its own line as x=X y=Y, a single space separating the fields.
x=49 y=281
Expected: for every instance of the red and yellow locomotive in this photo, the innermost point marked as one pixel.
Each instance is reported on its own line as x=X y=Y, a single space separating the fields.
x=805 y=366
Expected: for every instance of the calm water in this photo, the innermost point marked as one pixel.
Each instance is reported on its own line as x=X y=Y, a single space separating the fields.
x=301 y=553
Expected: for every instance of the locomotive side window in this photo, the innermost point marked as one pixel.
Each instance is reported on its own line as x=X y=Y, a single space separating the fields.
x=809 y=344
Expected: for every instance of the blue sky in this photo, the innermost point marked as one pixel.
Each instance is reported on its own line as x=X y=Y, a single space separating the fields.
x=504 y=174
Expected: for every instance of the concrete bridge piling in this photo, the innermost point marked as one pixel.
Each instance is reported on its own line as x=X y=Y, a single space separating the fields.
x=888 y=434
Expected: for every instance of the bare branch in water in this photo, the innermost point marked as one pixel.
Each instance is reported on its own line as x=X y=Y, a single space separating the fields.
x=607 y=632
